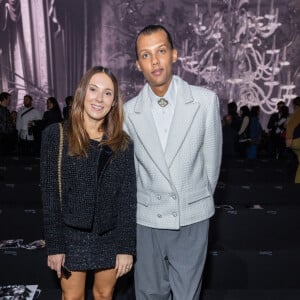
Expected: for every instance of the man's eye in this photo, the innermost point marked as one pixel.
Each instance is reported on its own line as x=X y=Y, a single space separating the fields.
x=145 y=55
x=162 y=51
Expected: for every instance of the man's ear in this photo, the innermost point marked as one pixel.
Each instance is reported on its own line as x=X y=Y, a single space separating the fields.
x=138 y=65
x=174 y=55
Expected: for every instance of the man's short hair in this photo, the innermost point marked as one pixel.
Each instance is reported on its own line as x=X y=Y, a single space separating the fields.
x=28 y=96
x=151 y=29
x=4 y=95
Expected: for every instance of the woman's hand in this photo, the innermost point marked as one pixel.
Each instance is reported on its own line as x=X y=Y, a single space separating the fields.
x=55 y=262
x=123 y=264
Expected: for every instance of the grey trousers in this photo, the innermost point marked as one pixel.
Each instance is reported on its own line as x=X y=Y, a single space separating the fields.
x=170 y=262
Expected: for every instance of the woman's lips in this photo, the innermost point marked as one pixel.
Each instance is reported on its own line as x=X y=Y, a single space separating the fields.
x=97 y=107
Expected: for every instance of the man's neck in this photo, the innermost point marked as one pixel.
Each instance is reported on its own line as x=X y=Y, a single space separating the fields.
x=160 y=91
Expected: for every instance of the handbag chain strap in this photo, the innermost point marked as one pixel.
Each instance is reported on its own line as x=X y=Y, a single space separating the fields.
x=61 y=142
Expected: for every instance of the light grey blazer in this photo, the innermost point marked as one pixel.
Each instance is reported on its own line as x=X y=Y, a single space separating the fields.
x=175 y=187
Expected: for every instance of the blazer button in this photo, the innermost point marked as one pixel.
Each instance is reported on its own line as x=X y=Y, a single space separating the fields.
x=159 y=215
x=174 y=214
x=158 y=197
x=173 y=196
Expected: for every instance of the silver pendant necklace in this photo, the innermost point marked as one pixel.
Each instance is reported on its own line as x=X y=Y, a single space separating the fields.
x=162 y=102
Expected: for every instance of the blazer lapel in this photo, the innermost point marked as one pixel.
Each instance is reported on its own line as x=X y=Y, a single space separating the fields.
x=185 y=111
x=143 y=123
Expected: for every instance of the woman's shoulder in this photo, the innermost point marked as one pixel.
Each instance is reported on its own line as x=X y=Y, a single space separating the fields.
x=126 y=146
x=51 y=130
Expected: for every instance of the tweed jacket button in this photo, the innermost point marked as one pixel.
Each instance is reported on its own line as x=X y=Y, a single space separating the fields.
x=158 y=197
x=159 y=215
x=174 y=214
x=173 y=196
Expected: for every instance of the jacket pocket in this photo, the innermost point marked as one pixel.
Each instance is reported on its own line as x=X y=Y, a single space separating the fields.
x=200 y=194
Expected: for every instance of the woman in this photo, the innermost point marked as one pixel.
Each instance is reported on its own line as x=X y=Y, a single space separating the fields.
x=254 y=132
x=293 y=134
x=93 y=228
x=67 y=108
x=53 y=113
x=243 y=137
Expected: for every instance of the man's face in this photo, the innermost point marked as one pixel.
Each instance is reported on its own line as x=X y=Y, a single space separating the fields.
x=155 y=59
x=279 y=106
x=27 y=102
x=6 y=102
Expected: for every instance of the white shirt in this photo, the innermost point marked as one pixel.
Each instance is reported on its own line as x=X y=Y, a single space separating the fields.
x=22 y=122
x=163 y=115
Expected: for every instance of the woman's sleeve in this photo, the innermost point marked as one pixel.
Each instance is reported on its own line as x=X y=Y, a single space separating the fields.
x=126 y=224
x=49 y=187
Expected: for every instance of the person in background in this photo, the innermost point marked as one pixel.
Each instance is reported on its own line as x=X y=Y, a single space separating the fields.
x=235 y=118
x=229 y=139
x=177 y=135
x=50 y=116
x=255 y=133
x=93 y=225
x=280 y=131
x=67 y=108
x=243 y=134
x=6 y=125
x=53 y=113
x=293 y=134
x=14 y=115
x=26 y=115
x=272 y=126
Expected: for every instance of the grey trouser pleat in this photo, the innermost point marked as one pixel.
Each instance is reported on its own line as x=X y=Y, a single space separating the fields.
x=170 y=262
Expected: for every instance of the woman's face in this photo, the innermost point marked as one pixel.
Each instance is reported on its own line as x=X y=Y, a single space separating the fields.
x=99 y=98
x=49 y=105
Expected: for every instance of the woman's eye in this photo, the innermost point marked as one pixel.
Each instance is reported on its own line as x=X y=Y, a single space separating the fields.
x=92 y=89
x=108 y=93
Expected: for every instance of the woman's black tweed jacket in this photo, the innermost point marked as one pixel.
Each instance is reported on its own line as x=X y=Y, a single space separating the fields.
x=114 y=189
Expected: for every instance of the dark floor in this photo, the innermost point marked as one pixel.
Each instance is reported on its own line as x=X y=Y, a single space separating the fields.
x=253 y=253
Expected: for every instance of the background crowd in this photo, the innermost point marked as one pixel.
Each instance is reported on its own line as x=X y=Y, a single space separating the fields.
x=243 y=135
x=20 y=132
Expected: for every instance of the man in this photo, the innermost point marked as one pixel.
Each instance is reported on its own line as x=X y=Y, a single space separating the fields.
x=176 y=131
x=26 y=115
x=6 y=125
x=272 y=126
x=293 y=134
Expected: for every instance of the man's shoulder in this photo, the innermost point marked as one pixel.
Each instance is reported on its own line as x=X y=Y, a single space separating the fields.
x=195 y=89
x=51 y=130
x=21 y=109
x=131 y=103
x=204 y=92
x=3 y=110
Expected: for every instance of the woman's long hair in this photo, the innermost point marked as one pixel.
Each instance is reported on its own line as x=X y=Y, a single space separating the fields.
x=112 y=126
